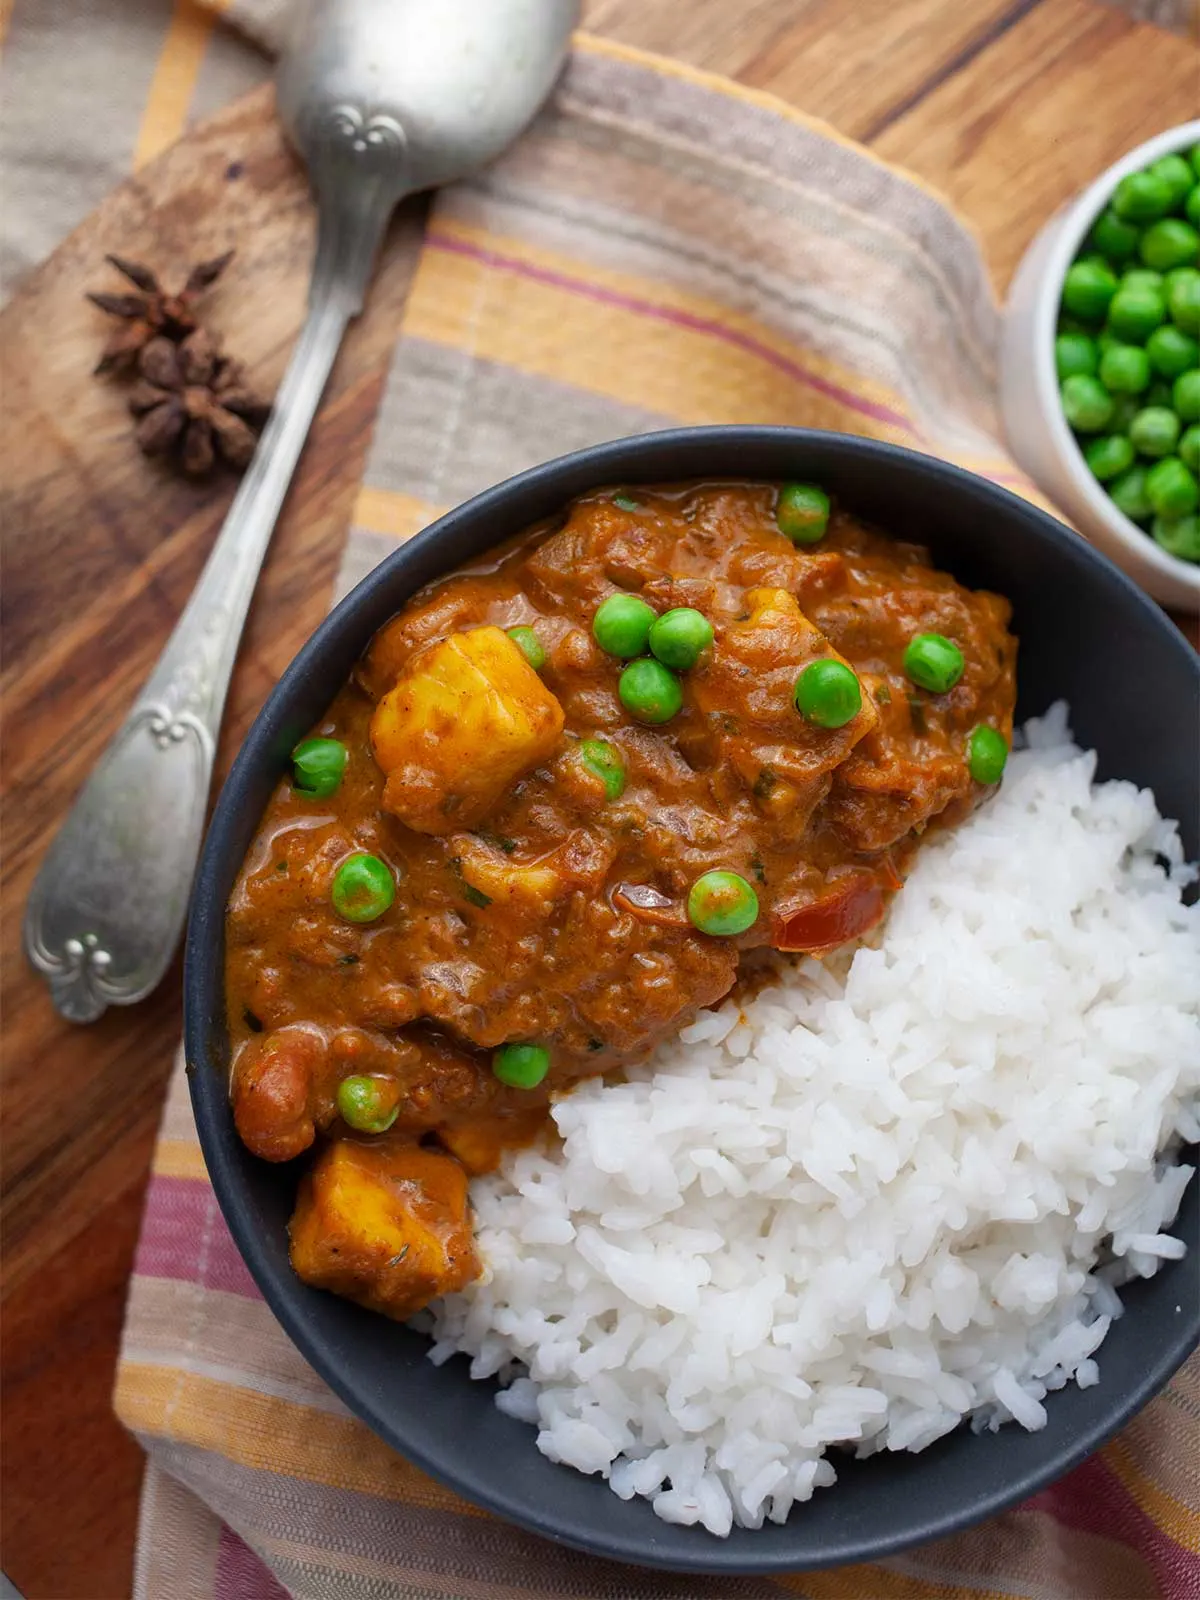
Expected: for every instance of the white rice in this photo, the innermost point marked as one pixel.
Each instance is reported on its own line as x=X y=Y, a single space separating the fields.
x=868 y=1205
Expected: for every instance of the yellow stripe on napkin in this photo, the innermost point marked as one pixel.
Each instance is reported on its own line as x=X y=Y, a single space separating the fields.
x=175 y=77
x=179 y=1158
x=1175 y=1519
x=272 y=1435
x=582 y=326
x=390 y=512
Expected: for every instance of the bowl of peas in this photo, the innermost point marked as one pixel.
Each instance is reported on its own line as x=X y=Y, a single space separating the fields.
x=1100 y=364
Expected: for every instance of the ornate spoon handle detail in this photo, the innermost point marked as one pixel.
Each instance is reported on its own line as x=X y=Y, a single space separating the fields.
x=109 y=902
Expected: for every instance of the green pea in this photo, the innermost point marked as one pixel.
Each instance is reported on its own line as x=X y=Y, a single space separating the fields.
x=1191 y=207
x=1176 y=174
x=1135 y=312
x=1178 y=536
x=1171 y=489
x=1088 y=287
x=1193 y=156
x=1170 y=243
x=367 y=1104
x=1189 y=448
x=1087 y=404
x=802 y=512
x=1141 y=278
x=621 y=625
x=1183 y=298
x=933 y=662
x=1172 y=351
x=317 y=767
x=1141 y=196
x=679 y=637
x=987 y=754
x=1075 y=353
x=1125 y=369
x=363 y=888
x=1114 y=237
x=604 y=761
x=828 y=694
x=1128 y=494
x=1154 y=431
x=649 y=691
x=722 y=904
x=521 y=1066
x=1109 y=456
x=530 y=646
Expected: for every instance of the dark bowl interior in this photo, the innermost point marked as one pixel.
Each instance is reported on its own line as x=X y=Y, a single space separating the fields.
x=1087 y=634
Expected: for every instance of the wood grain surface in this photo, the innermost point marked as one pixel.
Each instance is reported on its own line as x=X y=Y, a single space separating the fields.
x=1009 y=106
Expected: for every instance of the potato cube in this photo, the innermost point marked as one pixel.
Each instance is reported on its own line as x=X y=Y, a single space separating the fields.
x=464 y=719
x=479 y=1143
x=384 y=1223
x=512 y=885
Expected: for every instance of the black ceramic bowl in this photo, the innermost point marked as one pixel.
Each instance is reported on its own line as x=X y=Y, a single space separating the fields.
x=1087 y=634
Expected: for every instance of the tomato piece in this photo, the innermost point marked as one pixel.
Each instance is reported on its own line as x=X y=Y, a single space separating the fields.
x=854 y=906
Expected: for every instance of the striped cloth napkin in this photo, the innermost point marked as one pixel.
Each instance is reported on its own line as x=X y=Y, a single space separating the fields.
x=662 y=247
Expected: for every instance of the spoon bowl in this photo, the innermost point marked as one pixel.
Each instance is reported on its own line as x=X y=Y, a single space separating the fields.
x=460 y=78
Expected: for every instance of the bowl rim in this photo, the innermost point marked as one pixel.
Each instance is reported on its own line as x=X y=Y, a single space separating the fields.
x=1076 y=222
x=608 y=462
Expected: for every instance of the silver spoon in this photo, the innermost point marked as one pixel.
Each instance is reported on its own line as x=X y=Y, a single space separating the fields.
x=382 y=98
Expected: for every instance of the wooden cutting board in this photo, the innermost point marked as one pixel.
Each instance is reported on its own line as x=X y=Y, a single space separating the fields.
x=1009 y=106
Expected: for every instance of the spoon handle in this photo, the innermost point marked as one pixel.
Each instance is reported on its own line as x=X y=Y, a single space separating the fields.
x=109 y=902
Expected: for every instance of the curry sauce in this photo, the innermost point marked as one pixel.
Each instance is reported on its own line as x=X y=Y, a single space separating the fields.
x=535 y=903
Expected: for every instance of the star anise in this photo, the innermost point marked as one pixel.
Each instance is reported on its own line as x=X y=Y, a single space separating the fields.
x=153 y=313
x=192 y=403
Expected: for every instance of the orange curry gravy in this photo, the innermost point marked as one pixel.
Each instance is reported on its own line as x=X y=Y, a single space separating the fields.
x=546 y=912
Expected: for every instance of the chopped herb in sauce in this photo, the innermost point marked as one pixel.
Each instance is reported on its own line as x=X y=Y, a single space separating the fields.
x=347 y=961
x=757 y=868
x=281 y=866
x=883 y=695
x=496 y=840
x=766 y=781
x=595 y=1044
x=625 y=502
x=471 y=894
x=916 y=710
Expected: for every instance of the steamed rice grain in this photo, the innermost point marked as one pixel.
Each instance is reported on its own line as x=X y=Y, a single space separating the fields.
x=873 y=1201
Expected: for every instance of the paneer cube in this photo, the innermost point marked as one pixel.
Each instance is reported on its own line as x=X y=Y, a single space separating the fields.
x=465 y=718
x=384 y=1223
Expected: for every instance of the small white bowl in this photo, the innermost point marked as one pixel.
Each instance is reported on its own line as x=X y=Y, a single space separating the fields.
x=1038 y=434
